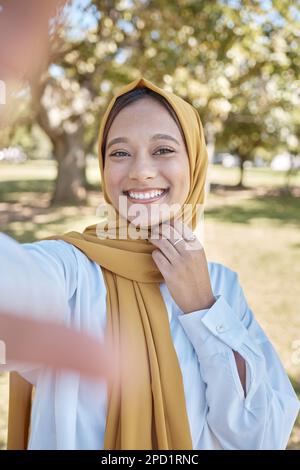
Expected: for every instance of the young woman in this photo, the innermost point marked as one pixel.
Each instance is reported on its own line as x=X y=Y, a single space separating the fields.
x=196 y=371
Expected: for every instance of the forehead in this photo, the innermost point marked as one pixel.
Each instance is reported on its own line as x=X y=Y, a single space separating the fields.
x=146 y=115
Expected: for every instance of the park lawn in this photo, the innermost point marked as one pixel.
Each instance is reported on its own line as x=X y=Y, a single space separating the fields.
x=40 y=170
x=253 y=232
x=253 y=177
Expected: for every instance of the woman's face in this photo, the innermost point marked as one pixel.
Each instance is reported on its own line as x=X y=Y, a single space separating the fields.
x=145 y=154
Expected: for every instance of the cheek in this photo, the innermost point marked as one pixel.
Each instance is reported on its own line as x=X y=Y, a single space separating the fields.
x=179 y=176
x=113 y=180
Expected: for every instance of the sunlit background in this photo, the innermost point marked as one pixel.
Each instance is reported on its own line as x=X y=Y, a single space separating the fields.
x=237 y=62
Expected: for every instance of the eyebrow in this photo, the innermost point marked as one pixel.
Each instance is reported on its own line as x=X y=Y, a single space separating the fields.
x=164 y=137
x=119 y=140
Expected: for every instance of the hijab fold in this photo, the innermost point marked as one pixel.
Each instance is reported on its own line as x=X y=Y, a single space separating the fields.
x=146 y=405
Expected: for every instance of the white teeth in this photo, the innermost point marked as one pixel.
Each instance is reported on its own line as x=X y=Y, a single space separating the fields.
x=149 y=195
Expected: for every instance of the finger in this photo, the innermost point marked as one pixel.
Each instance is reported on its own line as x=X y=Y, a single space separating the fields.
x=187 y=233
x=169 y=232
x=162 y=262
x=165 y=246
x=183 y=229
x=175 y=238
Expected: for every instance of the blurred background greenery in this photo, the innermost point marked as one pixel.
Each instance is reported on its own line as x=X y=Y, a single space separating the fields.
x=238 y=63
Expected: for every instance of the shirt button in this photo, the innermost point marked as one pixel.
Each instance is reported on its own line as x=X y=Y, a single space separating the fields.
x=220 y=328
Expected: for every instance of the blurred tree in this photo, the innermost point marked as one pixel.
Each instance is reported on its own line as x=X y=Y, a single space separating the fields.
x=265 y=108
x=231 y=59
x=71 y=97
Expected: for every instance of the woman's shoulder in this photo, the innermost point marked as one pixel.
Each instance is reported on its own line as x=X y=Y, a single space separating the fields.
x=58 y=249
x=46 y=252
x=65 y=260
x=66 y=255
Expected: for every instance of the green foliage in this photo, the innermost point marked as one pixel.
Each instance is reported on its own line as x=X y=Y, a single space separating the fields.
x=237 y=62
x=33 y=141
x=232 y=63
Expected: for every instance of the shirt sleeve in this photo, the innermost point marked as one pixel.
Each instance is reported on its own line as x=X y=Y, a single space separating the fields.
x=37 y=280
x=265 y=417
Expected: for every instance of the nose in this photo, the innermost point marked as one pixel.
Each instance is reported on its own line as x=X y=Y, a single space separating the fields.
x=142 y=168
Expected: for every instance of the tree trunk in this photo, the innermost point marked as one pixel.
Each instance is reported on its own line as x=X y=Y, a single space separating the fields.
x=289 y=173
x=241 y=181
x=70 y=185
x=68 y=151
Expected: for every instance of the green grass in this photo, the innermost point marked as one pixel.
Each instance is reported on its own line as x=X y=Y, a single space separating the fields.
x=253 y=177
x=254 y=232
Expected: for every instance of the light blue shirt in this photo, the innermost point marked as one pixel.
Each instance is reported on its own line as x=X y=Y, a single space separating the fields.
x=59 y=282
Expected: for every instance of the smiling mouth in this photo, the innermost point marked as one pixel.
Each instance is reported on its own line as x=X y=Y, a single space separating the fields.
x=144 y=200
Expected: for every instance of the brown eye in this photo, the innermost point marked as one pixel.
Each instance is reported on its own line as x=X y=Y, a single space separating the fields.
x=163 y=151
x=119 y=153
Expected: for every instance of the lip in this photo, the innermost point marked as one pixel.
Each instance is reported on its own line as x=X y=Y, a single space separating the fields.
x=143 y=190
x=147 y=201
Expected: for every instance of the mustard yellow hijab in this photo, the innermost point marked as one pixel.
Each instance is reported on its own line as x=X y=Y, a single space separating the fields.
x=146 y=407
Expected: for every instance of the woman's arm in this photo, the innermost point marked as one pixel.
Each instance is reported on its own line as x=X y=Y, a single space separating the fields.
x=36 y=282
x=263 y=419
x=36 y=278
x=50 y=344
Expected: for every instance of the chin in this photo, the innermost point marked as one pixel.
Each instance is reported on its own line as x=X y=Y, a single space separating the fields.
x=145 y=223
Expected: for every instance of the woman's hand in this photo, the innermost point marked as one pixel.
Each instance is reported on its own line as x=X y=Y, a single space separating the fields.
x=39 y=342
x=184 y=266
